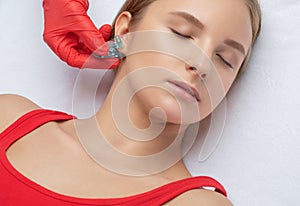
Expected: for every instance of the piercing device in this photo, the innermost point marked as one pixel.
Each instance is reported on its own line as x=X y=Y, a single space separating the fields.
x=113 y=51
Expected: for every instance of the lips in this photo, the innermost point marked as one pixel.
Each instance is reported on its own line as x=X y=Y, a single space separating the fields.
x=187 y=88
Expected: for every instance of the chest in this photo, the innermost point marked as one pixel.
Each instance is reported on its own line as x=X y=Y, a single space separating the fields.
x=55 y=160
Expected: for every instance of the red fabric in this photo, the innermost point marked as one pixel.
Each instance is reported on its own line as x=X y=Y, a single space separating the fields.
x=71 y=34
x=16 y=189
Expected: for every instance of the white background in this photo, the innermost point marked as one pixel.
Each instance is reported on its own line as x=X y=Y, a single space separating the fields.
x=258 y=156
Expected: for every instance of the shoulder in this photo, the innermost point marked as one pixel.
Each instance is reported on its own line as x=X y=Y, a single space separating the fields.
x=201 y=197
x=12 y=107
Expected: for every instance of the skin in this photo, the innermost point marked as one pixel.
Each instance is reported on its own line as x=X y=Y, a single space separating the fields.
x=221 y=19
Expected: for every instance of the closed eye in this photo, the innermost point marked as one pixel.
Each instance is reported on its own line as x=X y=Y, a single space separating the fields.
x=224 y=61
x=180 y=34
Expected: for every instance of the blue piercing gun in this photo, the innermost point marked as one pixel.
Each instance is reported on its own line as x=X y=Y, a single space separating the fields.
x=113 y=51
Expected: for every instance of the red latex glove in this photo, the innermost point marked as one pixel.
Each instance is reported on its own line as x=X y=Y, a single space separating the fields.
x=71 y=34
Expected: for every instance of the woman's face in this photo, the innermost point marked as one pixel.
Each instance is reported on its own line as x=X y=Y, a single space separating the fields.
x=221 y=30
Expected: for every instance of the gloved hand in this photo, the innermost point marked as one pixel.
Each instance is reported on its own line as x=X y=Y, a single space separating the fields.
x=71 y=34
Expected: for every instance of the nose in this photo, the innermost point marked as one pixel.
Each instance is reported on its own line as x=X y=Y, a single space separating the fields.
x=199 y=60
x=202 y=68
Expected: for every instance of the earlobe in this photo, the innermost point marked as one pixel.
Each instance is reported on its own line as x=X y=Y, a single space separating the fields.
x=122 y=23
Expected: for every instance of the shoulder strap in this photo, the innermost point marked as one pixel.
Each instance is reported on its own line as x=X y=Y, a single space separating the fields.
x=30 y=121
x=165 y=193
x=174 y=189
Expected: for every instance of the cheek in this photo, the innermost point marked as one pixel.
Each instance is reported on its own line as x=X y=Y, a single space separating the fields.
x=226 y=77
x=228 y=81
x=214 y=90
x=153 y=60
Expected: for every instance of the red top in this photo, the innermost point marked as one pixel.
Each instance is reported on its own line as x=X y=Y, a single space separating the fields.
x=16 y=189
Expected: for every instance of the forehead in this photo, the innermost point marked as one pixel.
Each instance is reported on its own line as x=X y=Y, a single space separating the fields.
x=222 y=18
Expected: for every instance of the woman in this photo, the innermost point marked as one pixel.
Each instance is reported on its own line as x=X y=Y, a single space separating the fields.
x=63 y=154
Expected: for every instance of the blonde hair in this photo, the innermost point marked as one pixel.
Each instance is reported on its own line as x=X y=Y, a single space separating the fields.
x=256 y=16
x=138 y=7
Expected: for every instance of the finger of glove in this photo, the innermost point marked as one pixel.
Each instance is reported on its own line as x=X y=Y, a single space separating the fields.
x=90 y=35
x=106 y=30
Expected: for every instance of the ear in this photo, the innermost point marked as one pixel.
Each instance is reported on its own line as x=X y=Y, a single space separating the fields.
x=122 y=23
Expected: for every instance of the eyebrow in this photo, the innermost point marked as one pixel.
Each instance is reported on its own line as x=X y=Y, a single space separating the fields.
x=193 y=20
x=188 y=17
x=235 y=45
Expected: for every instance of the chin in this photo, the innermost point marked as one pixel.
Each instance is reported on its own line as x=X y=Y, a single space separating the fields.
x=166 y=108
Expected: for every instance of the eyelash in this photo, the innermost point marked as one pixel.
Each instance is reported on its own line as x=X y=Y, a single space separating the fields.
x=224 y=61
x=180 y=34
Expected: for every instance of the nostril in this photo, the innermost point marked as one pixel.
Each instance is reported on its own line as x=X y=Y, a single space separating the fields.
x=203 y=75
x=193 y=68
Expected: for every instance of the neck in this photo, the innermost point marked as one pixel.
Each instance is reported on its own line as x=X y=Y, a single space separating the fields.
x=140 y=139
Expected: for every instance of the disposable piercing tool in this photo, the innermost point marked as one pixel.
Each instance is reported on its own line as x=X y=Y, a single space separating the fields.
x=113 y=51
